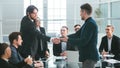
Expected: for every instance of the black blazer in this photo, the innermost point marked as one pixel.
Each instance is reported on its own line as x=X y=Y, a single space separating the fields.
x=115 y=46
x=17 y=59
x=29 y=36
x=5 y=64
x=86 y=40
x=57 y=48
x=41 y=53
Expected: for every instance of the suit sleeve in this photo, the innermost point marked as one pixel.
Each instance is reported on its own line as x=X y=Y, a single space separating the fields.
x=86 y=36
x=101 y=46
x=56 y=49
x=116 y=51
x=46 y=45
x=29 y=27
x=14 y=60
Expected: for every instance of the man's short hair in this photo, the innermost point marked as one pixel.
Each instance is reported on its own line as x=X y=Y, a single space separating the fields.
x=14 y=36
x=30 y=9
x=77 y=25
x=87 y=7
x=110 y=26
x=3 y=47
x=65 y=27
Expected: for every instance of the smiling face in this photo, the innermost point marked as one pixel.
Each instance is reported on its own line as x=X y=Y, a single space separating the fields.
x=34 y=14
x=109 y=31
x=64 y=31
x=37 y=22
x=19 y=40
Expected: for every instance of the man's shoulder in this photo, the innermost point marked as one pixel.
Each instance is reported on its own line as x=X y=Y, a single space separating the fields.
x=25 y=18
x=116 y=37
x=13 y=49
x=104 y=37
x=42 y=28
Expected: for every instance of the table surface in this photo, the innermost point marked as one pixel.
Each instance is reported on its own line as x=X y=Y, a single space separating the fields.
x=59 y=62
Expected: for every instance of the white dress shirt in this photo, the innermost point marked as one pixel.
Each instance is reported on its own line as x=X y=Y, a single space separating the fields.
x=109 y=44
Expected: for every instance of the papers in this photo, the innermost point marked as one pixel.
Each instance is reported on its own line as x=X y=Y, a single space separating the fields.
x=60 y=57
x=108 y=55
x=112 y=61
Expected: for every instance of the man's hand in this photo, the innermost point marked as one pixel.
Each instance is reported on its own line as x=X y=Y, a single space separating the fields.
x=56 y=40
x=104 y=53
x=38 y=64
x=28 y=60
x=63 y=53
x=64 y=39
x=47 y=54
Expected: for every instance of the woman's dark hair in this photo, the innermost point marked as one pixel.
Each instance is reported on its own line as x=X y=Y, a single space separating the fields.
x=87 y=7
x=30 y=9
x=3 y=47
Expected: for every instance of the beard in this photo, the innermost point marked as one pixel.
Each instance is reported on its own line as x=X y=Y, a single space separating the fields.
x=82 y=18
x=33 y=18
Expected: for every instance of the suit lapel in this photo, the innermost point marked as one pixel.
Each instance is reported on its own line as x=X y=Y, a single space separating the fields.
x=106 y=46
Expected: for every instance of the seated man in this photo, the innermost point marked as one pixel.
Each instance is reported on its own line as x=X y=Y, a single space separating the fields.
x=110 y=44
x=77 y=27
x=42 y=50
x=5 y=54
x=60 y=49
x=16 y=41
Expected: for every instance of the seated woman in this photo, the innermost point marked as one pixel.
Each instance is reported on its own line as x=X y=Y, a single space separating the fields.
x=5 y=54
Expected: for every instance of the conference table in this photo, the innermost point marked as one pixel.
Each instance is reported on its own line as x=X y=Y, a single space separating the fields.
x=59 y=62
x=109 y=59
x=62 y=62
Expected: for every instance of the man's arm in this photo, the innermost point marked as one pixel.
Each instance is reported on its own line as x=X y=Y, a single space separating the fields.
x=83 y=39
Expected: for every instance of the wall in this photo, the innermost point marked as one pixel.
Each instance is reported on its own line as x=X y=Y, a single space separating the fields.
x=12 y=12
x=73 y=12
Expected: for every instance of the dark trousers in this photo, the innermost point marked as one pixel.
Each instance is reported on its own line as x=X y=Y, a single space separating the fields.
x=89 y=64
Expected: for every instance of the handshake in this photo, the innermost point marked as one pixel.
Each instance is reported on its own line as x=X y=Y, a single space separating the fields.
x=61 y=39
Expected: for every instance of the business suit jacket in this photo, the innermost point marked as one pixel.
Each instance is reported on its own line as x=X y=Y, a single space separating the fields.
x=5 y=64
x=43 y=43
x=57 y=48
x=29 y=36
x=86 y=40
x=17 y=59
x=115 y=46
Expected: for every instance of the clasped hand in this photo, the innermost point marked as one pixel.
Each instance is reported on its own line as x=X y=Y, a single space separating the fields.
x=58 y=40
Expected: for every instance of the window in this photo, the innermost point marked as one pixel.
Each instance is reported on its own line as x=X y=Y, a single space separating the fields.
x=38 y=4
x=56 y=15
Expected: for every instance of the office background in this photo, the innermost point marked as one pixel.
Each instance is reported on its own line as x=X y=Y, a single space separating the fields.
x=57 y=13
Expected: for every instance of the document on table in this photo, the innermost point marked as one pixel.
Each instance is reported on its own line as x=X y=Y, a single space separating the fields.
x=113 y=61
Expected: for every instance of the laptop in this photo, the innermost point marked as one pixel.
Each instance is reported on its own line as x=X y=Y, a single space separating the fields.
x=72 y=56
x=73 y=59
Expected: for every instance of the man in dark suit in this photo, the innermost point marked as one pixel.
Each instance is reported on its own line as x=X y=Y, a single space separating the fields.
x=42 y=51
x=30 y=34
x=86 y=38
x=110 y=44
x=5 y=54
x=16 y=59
